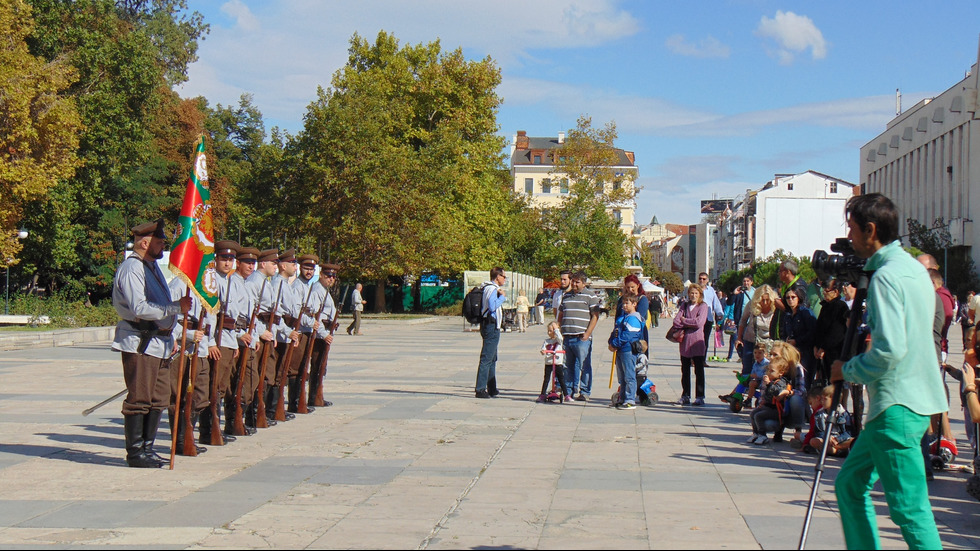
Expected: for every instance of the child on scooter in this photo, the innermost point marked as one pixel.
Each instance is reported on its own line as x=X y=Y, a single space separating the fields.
x=554 y=360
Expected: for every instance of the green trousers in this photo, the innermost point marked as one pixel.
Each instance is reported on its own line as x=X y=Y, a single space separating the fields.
x=887 y=448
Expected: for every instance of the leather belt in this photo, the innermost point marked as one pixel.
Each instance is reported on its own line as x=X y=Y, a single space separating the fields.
x=269 y=319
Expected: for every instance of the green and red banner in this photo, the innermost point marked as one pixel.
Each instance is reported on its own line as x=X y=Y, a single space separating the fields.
x=192 y=255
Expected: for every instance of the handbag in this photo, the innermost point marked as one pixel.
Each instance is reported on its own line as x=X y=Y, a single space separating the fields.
x=675 y=334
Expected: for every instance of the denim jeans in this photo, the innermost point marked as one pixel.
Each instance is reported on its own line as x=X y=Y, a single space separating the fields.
x=488 y=354
x=587 y=372
x=626 y=371
x=576 y=351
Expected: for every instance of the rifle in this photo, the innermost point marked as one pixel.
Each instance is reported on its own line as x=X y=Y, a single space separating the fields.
x=180 y=375
x=317 y=397
x=261 y=421
x=287 y=357
x=216 y=439
x=238 y=427
x=188 y=447
x=304 y=374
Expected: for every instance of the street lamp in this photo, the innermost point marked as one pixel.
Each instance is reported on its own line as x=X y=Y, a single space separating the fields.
x=21 y=234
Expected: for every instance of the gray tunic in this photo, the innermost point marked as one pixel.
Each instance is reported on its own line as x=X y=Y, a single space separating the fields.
x=140 y=293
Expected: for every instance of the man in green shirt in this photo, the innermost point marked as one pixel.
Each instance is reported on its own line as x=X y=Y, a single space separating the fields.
x=903 y=385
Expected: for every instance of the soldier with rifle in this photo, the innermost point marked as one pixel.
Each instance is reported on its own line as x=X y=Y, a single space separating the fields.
x=143 y=335
x=287 y=338
x=223 y=356
x=303 y=285
x=247 y=342
x=184 y=416
x=324 y=334
x=266 y=292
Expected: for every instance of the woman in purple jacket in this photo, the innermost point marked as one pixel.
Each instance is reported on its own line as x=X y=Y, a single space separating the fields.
x=691 y=316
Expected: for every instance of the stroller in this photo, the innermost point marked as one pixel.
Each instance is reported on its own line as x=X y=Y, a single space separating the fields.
x=646 y=391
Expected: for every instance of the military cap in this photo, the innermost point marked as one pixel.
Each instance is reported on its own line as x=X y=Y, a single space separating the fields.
x=288 y=255
x=156 y=229
x=326 y=269
x=226 y=247
x=309 y=260
x=248 y=253
x=269 y=254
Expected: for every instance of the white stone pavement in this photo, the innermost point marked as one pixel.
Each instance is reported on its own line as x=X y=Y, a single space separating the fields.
x=408 y=458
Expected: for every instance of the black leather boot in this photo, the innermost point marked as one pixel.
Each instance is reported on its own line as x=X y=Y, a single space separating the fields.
x=204 y=428
x=492 y=387
x=135 y=455
x=195 y=417
x=227 y=438
x=292 y=393
x=151 y=422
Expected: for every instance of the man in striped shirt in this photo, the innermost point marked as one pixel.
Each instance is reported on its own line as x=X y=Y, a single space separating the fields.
x=578 y=315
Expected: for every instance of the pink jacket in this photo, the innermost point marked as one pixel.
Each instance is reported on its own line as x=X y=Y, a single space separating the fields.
x=692 y=318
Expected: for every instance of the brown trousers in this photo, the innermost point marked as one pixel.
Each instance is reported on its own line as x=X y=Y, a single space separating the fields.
x=224 y=369
x=316 y=378
x=199 y=369
x=296 y=362
x=253 y=374
x=148 y=381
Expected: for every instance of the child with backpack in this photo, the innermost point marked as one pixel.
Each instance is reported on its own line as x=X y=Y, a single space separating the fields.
x=554 y=361
x=821 y=398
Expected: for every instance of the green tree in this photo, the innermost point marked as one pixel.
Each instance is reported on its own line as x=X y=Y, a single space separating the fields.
x=403 y=149
x=135 y=128
x=582 y=231
x=39 y=125
x=764 y=271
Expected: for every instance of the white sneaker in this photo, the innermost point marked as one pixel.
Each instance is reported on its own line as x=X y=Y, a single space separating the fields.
x=761 y=440
x=752 y=438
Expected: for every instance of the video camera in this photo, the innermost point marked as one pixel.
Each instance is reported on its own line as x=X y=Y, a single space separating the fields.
x=846 y=266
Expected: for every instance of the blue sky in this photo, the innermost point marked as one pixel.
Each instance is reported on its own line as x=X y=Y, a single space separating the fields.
x=713 y=97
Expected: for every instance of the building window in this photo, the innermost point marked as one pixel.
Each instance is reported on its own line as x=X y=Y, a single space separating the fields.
x=789 y=186
x=546 y=186
x=529 y=185
x=617 y=184
x=833 y=187
x=617 y=216
x=537 y=159
x=564 y=185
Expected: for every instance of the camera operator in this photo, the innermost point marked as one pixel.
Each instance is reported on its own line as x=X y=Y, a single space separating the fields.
x=902 y=387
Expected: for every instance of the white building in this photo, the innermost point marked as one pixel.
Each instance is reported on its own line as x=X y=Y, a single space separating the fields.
x=532 y=167
x=922 y=162
x=795 y=213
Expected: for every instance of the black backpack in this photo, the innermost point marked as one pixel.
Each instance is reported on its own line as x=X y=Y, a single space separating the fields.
x=473 y=305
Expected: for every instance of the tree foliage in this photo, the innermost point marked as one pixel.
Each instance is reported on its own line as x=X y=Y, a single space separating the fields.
x=39 y=125
x=955 y=262
x=764 y=271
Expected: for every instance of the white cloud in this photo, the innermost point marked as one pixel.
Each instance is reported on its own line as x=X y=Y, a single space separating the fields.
x=244 y=19
x=705 y=48
x=792 y=34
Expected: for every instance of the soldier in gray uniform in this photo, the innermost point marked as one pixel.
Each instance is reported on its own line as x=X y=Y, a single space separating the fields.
x=324 y=334
x=223 y=357
x=306 y=286
x=289 y=308
x=198 y=342
x=247 y=259
x=142 y=299
x=267 y=325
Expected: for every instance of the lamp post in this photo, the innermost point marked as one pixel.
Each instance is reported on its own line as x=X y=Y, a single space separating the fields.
x=21 y=234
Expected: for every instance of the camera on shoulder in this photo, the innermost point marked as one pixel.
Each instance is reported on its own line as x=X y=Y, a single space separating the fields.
x=846 y=265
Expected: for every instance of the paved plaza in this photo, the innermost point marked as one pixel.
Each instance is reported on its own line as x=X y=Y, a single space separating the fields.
x=407 y=458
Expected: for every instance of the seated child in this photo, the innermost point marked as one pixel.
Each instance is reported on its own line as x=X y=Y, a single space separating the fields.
x=554 y=359
x=821 y=398
x=755 y=377
x=778 y=389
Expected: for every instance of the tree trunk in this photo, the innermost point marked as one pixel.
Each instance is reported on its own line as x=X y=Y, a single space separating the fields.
x=379 y=296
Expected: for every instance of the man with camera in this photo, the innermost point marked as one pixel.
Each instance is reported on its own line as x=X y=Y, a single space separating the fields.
x=901 y=382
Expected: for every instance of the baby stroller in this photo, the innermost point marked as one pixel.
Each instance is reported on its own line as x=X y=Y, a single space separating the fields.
x=646 y=391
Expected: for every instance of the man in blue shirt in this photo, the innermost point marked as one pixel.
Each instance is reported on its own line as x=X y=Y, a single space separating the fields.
x=493 y=299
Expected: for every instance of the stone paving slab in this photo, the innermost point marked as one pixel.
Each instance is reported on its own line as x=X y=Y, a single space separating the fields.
x=407 y=458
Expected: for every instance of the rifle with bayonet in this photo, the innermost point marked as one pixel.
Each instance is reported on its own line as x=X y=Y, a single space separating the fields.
x=287 y=357
x=261 y=421
x=317 y=396
x=238 y=426
x=216 y=438
x=304 y=374
x=187 y=445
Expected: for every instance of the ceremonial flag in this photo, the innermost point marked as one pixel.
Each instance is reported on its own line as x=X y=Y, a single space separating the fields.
x=192 y=255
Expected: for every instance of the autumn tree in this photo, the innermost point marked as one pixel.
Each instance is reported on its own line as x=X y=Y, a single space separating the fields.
x=401 y=158
x=39 y=125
